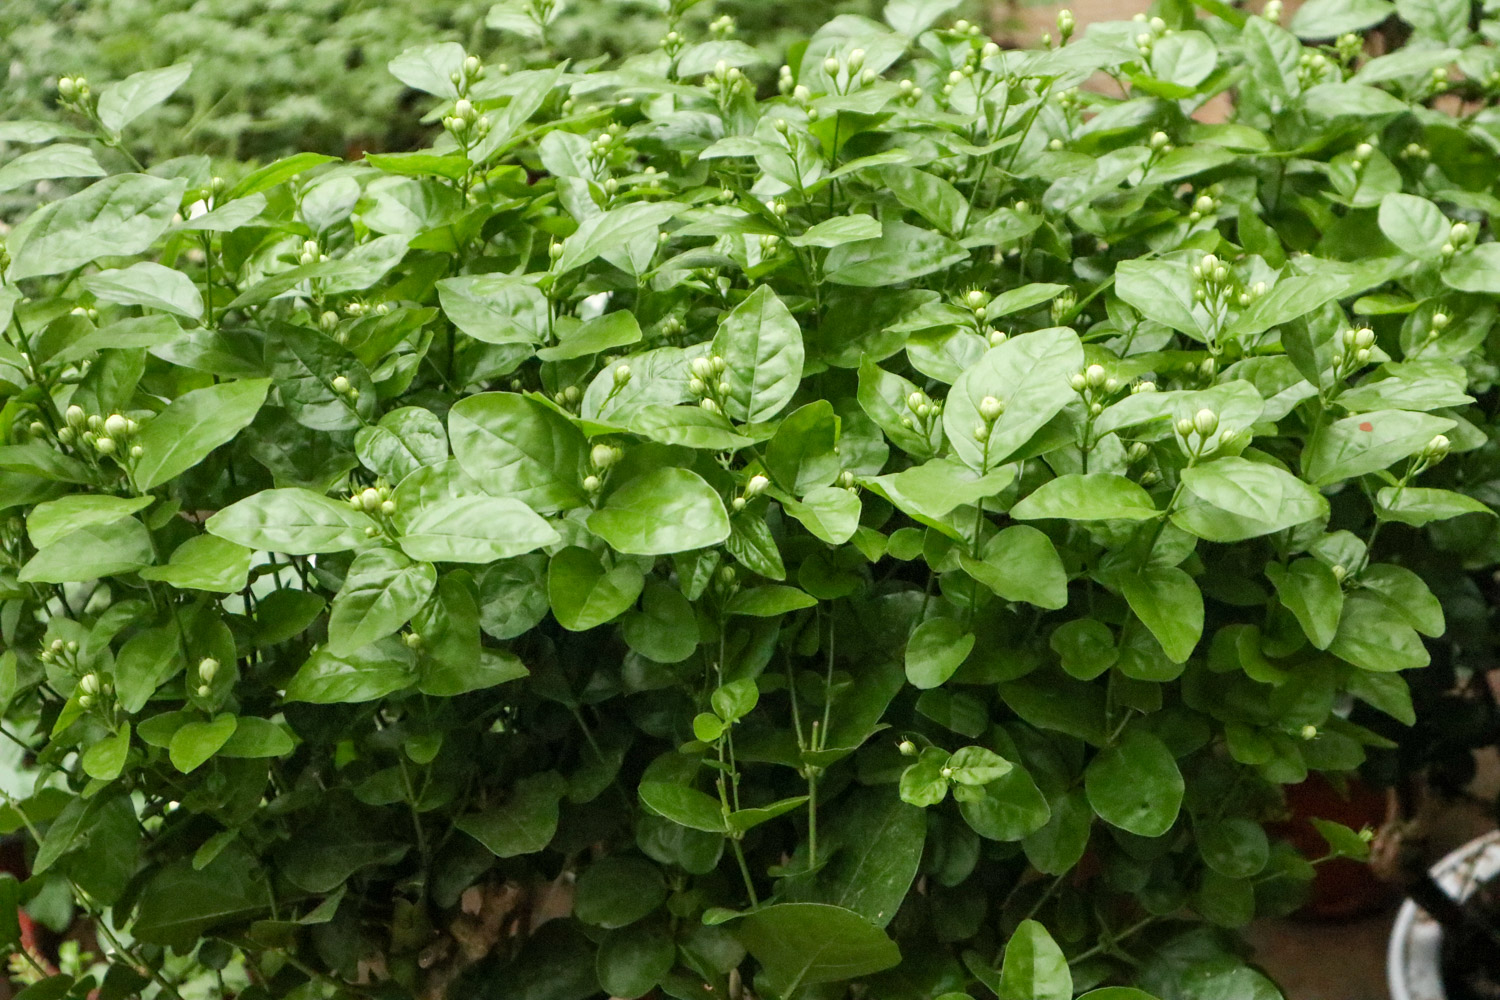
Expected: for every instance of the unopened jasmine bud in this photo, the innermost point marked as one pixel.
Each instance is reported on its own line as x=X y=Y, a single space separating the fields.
x=1362 y=355
x=116 y=426
x=75 y=416
x=104 y=445
x=1364 y=338
x=1363 y=151
x=66 y=88
x=89 y=684
x=1204 y=204
x=622 y=374
x=1205 y=422
x=990 y=409
x=737 y=504
x=1440 y=321
x=592 y=483
x=1078 y=382
x=136 y=451
x=1459 y=232
x=915 y=400
x=371 y=531
x=709 y=405
x=756 y=486
x=208 y=668
x=1094 y=376
x=369 y=499
x=981 y=432
x=907 y=748
x=831 y=66
x=1137 y=451
x=413 y=640
x=990 y=50
x=603 y=456
x=340 y=384
x=856 y=60
x=387 y=507
x=703 y=368
x=1184 y=427
x=1065 y=23
x=1308 y=732
x=85 y=700
x=1339 y=572
x=1146 y=386
x=204 y=690
x=1208 y=367
x=1437 y=448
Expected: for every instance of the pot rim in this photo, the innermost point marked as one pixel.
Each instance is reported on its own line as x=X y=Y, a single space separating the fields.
x=1413 y=956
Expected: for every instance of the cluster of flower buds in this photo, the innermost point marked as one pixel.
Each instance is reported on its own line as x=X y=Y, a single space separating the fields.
x=602 y=458
x=1459 y=236
x=1435 y=450
x=785 y=81
x=344 y=387
x=1145 y=41
x=468 y=74
x=991 y=409
x=964 y=28
x=753 y=488
x=848 y=72
x=706 y=382
x=105 y=435
x=1160 y=144
x=1061 y=308
x=466 y=124
x=208 y=669
x=603 y=145
x=374 y=500
x=73 y=92
x=1145 y=385
x=1348 y=47
x=311 y=253
x=726 y=581
x=1437 y=325
x=569 y=397
x=89 y=689
x=1272 y=11
x=1314 y=67
x=1065 y=24
x=673 y=42
x=413 y=640
x=726 y=82
x=910 y=92
x=1202 y=426
x=1205 y=206
x=723 y=27
x=923 y=413
x=1096 y=386
x=61 y=654
x=1362 y=154
x=1416 y=151
x=1352 y=352
x=976 y=301
x=1439 y=78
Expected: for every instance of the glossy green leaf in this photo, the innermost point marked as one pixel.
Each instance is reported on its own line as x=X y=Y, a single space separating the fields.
x=661 y=512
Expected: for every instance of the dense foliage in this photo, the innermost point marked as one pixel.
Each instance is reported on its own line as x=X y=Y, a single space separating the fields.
x=894 y=536
x=311 y=75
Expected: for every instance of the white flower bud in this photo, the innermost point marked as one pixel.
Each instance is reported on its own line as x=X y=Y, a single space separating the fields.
x=1440 y=321
x=104 y=445
x=990 y=409
x=622 y=375
x=370 y=499
x=1094 y=376
x=204 y=690
x=907 y=748
x=831 y=66
x=1184 y=427
x=592 y=484
x=603 y=456
x=1205 y=422
x=1364 y=338
x=75 y=416
x=1363 y=151
x=340 y=384
x=387 y=507
x=89 y=684
x=1308 y=732
x=756 y=486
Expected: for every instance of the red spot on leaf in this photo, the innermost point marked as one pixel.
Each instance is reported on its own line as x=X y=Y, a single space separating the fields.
x=1367 y=426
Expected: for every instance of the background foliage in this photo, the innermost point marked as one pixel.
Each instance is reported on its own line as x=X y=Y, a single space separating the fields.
x=893 y=532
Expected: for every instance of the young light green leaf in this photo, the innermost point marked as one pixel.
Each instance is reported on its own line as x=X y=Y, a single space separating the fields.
x=291 y=520
x=761 y=345
x=193 y=425
x=474 y=530
x=1093 y=496
x=1034 y=967
x=123 y=102
x=661 y=512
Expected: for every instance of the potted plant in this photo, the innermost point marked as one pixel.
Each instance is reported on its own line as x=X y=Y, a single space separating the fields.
x=894 y=533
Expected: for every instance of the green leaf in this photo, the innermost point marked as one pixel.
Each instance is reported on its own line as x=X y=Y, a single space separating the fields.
x=661 y=512
x=689 y=426
x=1029 y=375
x=1475 y=270
x=665 y=629
x=178 y=903
x=1185 y=58
x=934 y=489
x=1010 y=808
x=1331 y=18
x=91 y=553
x=117 y=217
x=193 y=425
x=873 y=843
x=810 y=943
x=602 y=333
x=1368 y=442
x=405 y=440
x=902 y=252
x=1309 y=590
x=837 y=231
x=1167 y=602
x=1086 y=647
x=1415 y=225
x=616 y=228
x=49 y=163
x=1135 y=784
x=1093 y=496
x=1259 y=499
x=519 y=448
x=194 y=743
x=150 y=286
x=381 y=592
x=1021 y=564
x=364 y=675
x=883 y=395
x=1370 y=638
x=583 y=595
x=770 y=601
x=291 y=520
x=255 y=737
x=761 y=345
x=495 y=309
x=683 y=805
x=55 y=519
x=123 y=102
x=430 y=68
x=1342 y=841
x=829 y=512
x=525 y=823
x=618 y=890
x=106 y=759
x=936 y=650
x=205 y=562
x=1234 y=847
x=1406 y=595
x=1034 y=967
x=804 y=453
x=475 y=530
x=631 y=961
x=1420 y=506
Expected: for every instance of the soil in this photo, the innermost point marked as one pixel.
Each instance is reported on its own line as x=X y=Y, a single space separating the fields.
x=1471 y=957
